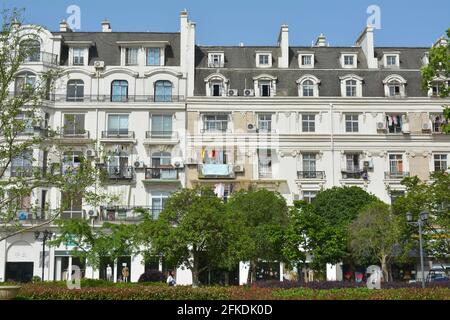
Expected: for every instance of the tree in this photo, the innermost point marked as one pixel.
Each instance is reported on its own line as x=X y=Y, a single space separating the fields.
x=434 y=198
x=375 y=233
x=325 y=223
x=22 y=118
x=193 y=223
x=262 y=217
x=437 y=73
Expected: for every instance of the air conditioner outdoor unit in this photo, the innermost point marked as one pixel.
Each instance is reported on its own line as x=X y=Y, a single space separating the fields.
x=92 y=213
x=90 y=153
x=238 y=168
x=381 y=126
x=249 y=92
x=368 y=164
x=177 y=162
x=251 y=127
x=138 y=164
x=99 y=64
x=233 y=92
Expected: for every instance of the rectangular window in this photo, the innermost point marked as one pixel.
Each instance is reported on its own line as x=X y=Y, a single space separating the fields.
x=391 y=61
x=265 y=163
x=394 y=89
x=21 y=165
x=118 y=124
x=308 y=123
x=309 y=196
x=396 y=165
x=264 y=59
x=350 y=88
x=161 y=125
x=264 y=88
x=73 y=124
x=440 y=162
x=309 y=163
x=352 y=162
x=72 y=205
x=216 y=89
x=349 y=60
x=131 y=58
x=394 y=123
x=265 y=122
x=26 y=126
x=71 y=161
x=214 y=123
x=78 y=56
x=351 y=123
x=153 y=56
x=306 y=60
x=216 y=60
x=158 y=200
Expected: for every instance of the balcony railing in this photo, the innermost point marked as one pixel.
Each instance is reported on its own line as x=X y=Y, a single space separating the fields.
x=356 y=174
x=265 y=172
x=311 y=175
x=22 y=171
x=160 y=134
x=44 y=57
x=118 y=134
x=72 y=214
x=396 y=175
x=216 y=171
x=120 y=172
x=77 y=134
x=104 y=98
x=127 y=213
x=161 y=174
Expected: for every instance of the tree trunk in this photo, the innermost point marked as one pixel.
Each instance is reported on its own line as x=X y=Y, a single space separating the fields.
x=300 y=272
x=195 y=271
x=384 y=269
x=227 y=278
x=252 y=271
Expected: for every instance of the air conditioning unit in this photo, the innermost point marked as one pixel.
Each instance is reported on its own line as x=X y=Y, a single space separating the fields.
x=426 y=126
x=90 y=153
x=249 y=93
x=251 y=127
x=381 y=126
x=139 y=164
x=238 y=168
x=93 y=213
x=368 y=165
x=177 y=162
x=99 y=64
x=233 y=92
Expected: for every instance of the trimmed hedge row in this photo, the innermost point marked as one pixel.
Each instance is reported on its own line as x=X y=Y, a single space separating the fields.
x=139 y=292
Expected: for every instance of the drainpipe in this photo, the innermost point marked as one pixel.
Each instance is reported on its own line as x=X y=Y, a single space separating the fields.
x=332 y=144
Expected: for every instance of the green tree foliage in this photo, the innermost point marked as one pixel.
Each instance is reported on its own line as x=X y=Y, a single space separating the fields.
x=263 y=218
x=325 y=222
x=192 y=224
x=375 y=233
x=434 y=198
x=438 y=68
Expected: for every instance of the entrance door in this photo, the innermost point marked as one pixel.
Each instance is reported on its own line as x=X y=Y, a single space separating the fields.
x=19 y=271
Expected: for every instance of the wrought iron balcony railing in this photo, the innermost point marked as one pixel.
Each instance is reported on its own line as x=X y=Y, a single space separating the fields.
x=161 y=174
x=118 y=134
x=108 y=98
x=396 y=174
x=311 y=175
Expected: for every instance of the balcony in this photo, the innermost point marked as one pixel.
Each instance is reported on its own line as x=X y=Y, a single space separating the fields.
x=106 y=98
x=398 y=175
x=72 y=214
x=265 y=172
x=78 y=134
x=121 y=136
x=43 y=57
x=216 y=171
x=125 y=173
x=126 y=213
x=354 y=174
x=161 y=137
x=317 y=175
x=23 y=171
x=169 y=175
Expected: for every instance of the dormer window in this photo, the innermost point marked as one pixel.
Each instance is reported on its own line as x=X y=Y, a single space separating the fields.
x=306 y=60
x=265 y=85
x=78 y=56
x=131 y=56
x=153 y=56
x=391 y=60
x=308 y=86
x=351 y=86
x=349 y=60
x=216 y=85
x=264 y=60
x=216 y=60
x=438 y=86
x=394 y=86
x=79 y=52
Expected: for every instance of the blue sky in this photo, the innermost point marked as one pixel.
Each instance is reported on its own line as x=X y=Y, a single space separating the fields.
x=256 y=22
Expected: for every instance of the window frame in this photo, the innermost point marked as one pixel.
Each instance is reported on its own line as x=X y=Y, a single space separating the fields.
x=207 y=123
x=147 y=56
x=259 y=56
x=308 y=123
x=123 y=84
x=345 y=55
x=167 y=94
x=351 y=123
x=128 y=56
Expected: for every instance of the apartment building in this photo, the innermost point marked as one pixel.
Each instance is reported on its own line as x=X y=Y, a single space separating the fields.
x=166 y=114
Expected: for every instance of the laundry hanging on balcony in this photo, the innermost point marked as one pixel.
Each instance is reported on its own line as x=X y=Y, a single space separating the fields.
x=213 y=169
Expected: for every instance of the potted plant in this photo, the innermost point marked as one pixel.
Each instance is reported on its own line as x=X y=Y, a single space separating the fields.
x=9 y=292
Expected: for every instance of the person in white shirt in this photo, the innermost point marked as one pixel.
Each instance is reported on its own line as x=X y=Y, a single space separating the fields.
x=171 y=279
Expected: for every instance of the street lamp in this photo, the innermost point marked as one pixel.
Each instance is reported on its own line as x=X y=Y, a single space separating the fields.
x=423 y=217
x=43 y=236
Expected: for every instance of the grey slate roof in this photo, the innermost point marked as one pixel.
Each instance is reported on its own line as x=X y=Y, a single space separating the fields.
x=240 y=69
x=106 y=49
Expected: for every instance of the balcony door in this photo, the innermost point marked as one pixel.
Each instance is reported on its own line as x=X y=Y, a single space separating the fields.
x=161 y=125
x=118 y=124
x=118 y=166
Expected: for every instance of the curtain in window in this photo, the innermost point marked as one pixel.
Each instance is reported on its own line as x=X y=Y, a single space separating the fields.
x=163 y=91
x=161 y=124
x=153 y=56
x=118 y=124
x=75 y=90
x=119 y=91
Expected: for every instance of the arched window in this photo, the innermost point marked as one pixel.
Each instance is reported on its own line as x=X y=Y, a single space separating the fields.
x=119 y=91
x=32 y=50
x=217 y=85
x=24 y=82
x=308 y=86
x=351 y=85
x=161 y=158
x=394 y=86
x=75 y=90
x=350 y=88
x=163 y=91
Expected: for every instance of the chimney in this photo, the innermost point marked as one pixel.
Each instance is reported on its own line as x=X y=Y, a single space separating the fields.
x=106 y=26
x=321 y=41
x=283 y=43
x=366 y=42
x=187 y=46
x=64 y=26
